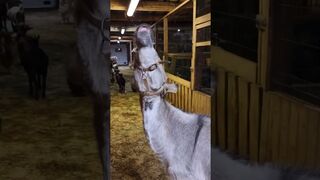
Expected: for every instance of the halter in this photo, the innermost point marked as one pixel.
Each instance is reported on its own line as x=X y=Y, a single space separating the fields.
x=164 y=87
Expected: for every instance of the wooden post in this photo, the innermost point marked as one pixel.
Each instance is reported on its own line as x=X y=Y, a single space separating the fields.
x=165 y=39
x=194 y=38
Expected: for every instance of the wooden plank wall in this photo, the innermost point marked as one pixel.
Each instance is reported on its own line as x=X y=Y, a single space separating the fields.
x=238 y=113
x=183 y=98
x=264 y=126
x=201 y=103
x=290 y=133
x=188 y=100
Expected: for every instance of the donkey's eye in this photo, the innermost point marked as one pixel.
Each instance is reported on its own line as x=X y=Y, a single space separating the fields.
x=152 y=67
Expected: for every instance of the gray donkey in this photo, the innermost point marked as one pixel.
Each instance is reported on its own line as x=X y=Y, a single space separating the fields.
x=181 y=140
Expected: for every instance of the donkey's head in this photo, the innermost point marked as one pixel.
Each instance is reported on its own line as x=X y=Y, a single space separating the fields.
x=149 y=72
x=144 y=36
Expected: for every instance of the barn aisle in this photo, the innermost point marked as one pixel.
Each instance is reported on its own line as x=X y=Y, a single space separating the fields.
x=131 y=156
x=49 y=139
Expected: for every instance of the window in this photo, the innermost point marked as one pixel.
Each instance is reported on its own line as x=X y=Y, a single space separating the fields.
x=204 y=34
x=179 y=65
x=180 y=30
x=203 y=7
x=180 y=42
x=295 y=53
x=234 y=27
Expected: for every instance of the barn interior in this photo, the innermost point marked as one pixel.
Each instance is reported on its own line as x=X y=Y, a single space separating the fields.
x=254 y=69
x=50 y=138
x=54 y=137
x=173 y=23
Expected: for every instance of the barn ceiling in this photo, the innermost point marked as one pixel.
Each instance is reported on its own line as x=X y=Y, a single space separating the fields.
x=148 y=11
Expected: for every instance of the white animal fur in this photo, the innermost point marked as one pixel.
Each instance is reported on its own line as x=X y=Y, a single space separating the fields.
x=226 y=168
x=181 y=140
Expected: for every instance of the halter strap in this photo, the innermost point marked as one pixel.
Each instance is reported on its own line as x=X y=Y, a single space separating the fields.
x=165 y=86
x=152 y=67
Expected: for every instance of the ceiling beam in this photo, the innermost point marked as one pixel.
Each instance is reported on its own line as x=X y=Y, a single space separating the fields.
x=122 y=37
x=135 y=18
x=120 y=5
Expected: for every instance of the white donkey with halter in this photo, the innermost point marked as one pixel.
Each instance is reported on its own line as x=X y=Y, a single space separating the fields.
x=181 y=140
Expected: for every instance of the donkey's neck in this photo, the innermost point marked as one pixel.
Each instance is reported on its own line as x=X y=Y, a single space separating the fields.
x=155 y=114
x=148 y=55
x=153 y=108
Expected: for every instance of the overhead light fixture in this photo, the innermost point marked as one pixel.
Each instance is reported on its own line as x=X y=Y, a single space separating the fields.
x=123 y=30
x=119 y=37
x=118 y=42
x=178 y=30
x=132 y=7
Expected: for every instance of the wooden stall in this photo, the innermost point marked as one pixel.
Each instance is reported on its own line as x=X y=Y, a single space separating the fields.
x=187 y=54
x=265 y=58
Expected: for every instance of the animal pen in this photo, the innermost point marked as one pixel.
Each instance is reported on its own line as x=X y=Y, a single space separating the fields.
x=183 y=40
x=265 y=57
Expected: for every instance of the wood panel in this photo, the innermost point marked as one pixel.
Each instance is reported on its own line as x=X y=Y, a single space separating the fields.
x=205 y=43
x=293 y=134
x=221 y=108
x=182 y=99
x=263 y=149
x=254 y=121
x=275 y=128
x=232 y=115
x=202 y=19
x=313 y=137
x=235 y=64
x=289 y=132
x=243 y=106
x=284 y=131
x=201 y=103
x=302 y=136
x=265 y=126
x=202 y=25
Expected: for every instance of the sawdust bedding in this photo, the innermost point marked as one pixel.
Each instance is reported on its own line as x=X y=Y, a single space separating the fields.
x=131 y=157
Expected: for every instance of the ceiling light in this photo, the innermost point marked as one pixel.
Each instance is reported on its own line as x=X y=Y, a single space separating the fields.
x=132 y=7
x=119 y=37
x=123 y=30
x=178 y=30
x=118 y=42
